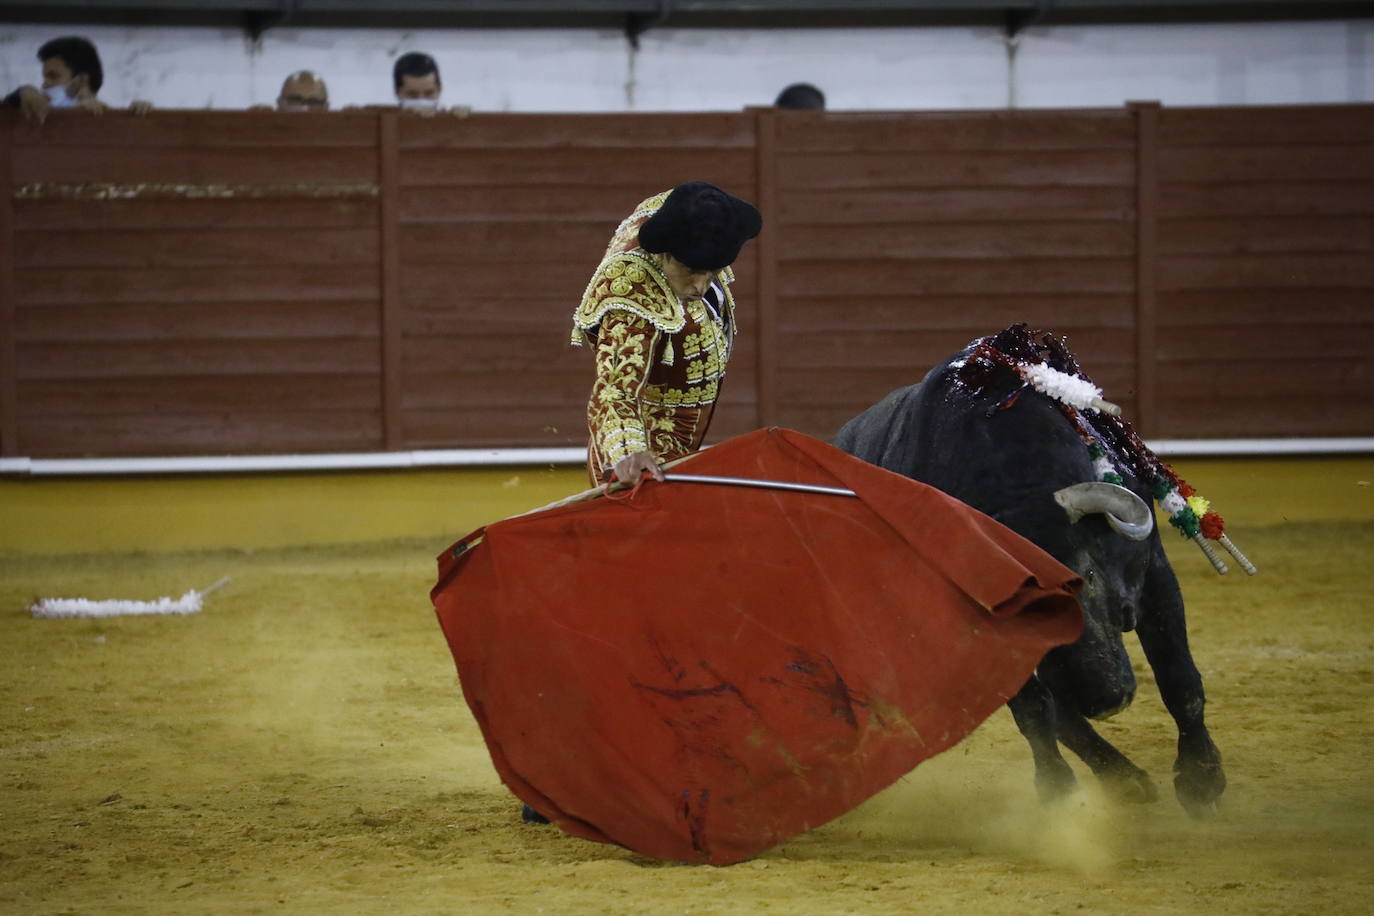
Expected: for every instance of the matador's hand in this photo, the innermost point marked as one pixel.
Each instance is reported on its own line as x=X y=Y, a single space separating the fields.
x=631 y=466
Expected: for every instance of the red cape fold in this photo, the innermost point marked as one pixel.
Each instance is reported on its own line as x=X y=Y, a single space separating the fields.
x=699 y=672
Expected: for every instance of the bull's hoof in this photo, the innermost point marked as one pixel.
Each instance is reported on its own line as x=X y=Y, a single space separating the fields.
x=1054 y=781
x=1131 y=786
x=531 y=816
x=1201 y=810
x=1198 y=785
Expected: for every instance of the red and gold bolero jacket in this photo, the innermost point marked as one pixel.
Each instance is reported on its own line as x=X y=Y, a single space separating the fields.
x=659 y=361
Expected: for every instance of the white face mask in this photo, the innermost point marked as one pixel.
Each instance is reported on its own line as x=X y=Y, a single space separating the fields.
x=430 y=104
x=58 y=98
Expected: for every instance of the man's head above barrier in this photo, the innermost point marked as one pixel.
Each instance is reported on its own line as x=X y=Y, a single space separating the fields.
x=801 y=97
x=303 y=91
x=72 y=76
x=71 y=70
x=416 y=79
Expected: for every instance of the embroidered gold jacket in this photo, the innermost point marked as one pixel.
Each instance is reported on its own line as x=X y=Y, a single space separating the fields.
x=659 y=361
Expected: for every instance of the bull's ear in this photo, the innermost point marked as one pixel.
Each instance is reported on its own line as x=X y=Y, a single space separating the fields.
x=1128 y=514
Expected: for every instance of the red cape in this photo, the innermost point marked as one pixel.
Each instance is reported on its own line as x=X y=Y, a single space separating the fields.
x=700 y=672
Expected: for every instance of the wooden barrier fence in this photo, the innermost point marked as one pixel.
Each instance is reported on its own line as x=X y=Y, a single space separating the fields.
x=251 y=282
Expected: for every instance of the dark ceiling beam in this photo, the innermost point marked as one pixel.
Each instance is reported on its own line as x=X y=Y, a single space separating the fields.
x=654 y=7
x=600 y=13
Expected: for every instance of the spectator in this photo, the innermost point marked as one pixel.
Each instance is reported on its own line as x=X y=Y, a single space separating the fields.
x=801 y=97
x=303 y=91
x=417 y=82
x=72 y=76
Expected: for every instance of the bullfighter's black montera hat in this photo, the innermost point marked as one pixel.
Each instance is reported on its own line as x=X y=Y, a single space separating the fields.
x=701 y=225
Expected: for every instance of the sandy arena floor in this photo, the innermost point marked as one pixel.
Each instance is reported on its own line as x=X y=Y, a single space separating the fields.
x=301 y=745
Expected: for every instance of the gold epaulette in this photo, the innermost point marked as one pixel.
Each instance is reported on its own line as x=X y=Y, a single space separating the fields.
x=632 y=282
x=626 y=234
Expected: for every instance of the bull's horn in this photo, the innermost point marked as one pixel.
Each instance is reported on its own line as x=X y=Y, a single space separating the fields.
x=1127 y=513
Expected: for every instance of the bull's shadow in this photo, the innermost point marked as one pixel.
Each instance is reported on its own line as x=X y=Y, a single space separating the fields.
x=975 y=429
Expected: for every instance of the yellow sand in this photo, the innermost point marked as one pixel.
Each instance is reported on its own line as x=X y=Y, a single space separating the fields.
x=301 y=746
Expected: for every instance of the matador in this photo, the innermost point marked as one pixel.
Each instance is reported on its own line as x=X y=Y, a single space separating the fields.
x=660 y=318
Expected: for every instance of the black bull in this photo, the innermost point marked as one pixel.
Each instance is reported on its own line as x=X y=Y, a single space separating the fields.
x=1008 y=455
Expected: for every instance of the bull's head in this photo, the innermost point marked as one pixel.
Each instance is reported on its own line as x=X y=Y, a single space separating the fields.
x=1096 y=670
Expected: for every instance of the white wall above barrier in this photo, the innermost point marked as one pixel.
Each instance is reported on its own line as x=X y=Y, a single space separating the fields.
x=681 y=69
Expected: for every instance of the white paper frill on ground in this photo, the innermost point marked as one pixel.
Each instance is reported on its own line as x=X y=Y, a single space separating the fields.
x=190 y=603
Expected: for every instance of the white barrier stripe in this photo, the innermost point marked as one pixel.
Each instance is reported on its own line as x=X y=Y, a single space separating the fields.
x=236 y=464
x=506 y=457
x=1223 y=447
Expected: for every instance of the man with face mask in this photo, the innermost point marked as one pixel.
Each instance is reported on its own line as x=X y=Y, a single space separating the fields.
x=417 y=82
x=72 y=76
x=659 y=315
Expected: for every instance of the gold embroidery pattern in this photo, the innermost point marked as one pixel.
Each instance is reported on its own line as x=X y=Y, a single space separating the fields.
x=632 y=282
x=623 y=352
x=698 y=396
x=627 y=233
x=659 y=362
x=667 y=438
x=691 y=346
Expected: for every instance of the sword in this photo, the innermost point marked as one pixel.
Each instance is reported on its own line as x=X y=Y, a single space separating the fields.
x=616 y=486
x=760 y=484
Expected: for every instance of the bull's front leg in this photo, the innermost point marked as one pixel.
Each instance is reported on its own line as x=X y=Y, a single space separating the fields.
x=1122 y=779
x=1198 y=777
x=1034 y=711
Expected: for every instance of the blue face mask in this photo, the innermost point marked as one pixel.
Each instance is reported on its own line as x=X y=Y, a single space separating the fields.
x=58 y=98
x=421 y=104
